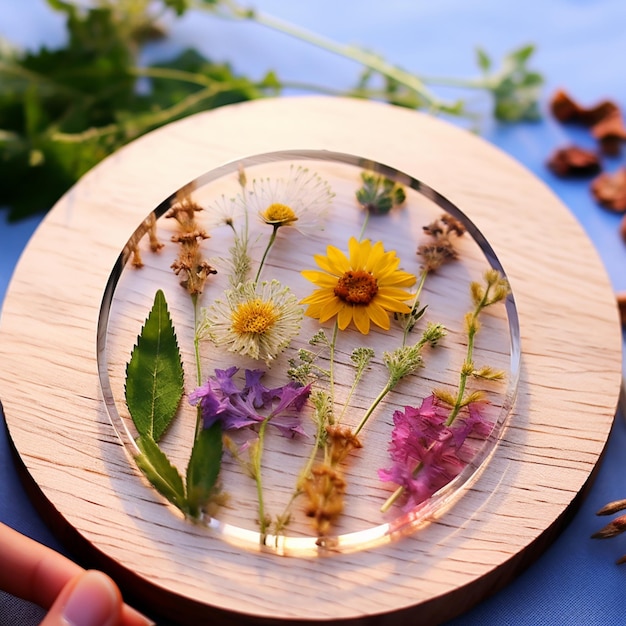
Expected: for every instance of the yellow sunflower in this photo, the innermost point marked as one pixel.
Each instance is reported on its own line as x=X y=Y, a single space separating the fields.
x=365 y=287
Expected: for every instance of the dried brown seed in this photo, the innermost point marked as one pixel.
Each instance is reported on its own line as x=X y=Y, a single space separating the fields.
x=574 y=161
x=610 y=132
x=566 y=109
x=621 y=304
x=612 y=507
x=612 y=529
x=610 y=190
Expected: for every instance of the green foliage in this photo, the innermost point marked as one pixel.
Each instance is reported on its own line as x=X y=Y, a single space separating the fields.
x=154 y=387
x=64 y=110
x=378 y=195
x=154 y=374
x=204 y=467
x=515 y=88
x=160 y=472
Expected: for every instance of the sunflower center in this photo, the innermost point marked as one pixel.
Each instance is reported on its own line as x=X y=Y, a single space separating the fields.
x=278 y=213
x=356 y=287
x=254 y=317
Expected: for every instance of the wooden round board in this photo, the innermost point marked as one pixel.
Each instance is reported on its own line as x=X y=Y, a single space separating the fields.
x=566 y=401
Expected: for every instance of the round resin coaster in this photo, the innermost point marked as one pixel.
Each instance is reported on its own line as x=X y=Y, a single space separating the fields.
x=338 y=434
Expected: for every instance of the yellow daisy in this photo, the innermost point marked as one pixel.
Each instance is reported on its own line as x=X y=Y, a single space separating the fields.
x=362 y=288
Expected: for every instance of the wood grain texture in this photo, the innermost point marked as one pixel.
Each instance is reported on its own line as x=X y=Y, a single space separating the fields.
x=566 y=401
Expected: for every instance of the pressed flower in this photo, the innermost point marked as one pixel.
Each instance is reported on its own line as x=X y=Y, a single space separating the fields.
x=378 y=195
x=363 y=288
x=324 y=490
x=194 y=269
x=300 y=200
x=426 y=452
x=440 y=249
x=255 y=320
x=221 y=399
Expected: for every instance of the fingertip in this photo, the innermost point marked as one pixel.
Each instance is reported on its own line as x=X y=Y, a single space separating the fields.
x=94 y=600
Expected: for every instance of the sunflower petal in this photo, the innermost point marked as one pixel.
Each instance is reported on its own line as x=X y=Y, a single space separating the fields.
x=378 y=315
x=337 y=260
x=321 y=279
x=344 y=317
x=374 y=262
x=330 y=309
x=361 y=317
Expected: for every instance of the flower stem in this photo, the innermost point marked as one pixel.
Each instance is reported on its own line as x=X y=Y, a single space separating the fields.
x=389 y=502
x=467 y=365
x=196 y=349
x=331 y=357
x=257 y=476
x=270 y=243
x=367 y=59
x=386 y=389
x=416 y=301
x=365 y=223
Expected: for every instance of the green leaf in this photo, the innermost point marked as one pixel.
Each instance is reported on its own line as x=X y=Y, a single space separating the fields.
x=483 y=59
x=154 y=374
x=160 y=472
x=204 y=467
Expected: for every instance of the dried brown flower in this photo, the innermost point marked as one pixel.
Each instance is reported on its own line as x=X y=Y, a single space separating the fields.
x=612 y=529
x=610 y=132
x=574 y=161
x=194 y=268
x=341 y=441
x=324 y=489
x=441 y=249
x=610 y=190
x=132 y=247
x=566 y=109
x=621 y=304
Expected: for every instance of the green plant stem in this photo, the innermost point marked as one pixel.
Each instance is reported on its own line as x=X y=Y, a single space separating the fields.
x=365 y=223
x=367 y=59
x=379 y=398
x=257 y=476
x=270 y=243
x=140 y=123
x=331 y=357
x=471 y=333
x=196 y=350
x=420 y=286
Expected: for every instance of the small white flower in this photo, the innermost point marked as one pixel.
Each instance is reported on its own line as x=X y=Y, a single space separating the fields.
x=301 y=200
x=225 y=212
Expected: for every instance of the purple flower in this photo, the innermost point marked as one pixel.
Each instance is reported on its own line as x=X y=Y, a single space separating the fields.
x=221 y=399
x=427 y=454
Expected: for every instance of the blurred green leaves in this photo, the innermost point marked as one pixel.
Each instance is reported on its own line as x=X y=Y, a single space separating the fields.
x=64 y=110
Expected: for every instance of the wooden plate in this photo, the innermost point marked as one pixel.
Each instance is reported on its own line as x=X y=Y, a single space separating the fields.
x=567 y=395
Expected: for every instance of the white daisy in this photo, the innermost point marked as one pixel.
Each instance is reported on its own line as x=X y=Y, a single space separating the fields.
x=258 y=321
x=301 y=200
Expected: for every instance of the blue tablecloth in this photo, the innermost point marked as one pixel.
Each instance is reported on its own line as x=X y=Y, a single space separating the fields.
x=581 y=46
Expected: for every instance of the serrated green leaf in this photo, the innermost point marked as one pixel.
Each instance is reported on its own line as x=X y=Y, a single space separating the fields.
x=157 y=468
x=154 y=374
x=204 y=467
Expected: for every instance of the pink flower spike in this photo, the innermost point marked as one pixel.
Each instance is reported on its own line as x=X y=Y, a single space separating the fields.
x=427 y=454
